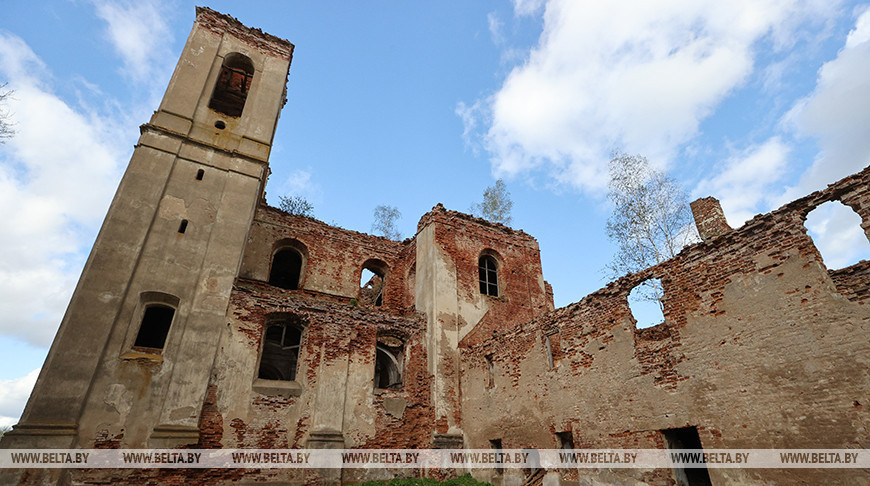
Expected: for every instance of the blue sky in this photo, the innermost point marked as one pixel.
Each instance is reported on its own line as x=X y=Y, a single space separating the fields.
x=414 y=103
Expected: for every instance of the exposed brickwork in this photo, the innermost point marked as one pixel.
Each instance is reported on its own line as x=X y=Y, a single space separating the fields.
x=335 y=332
x=221 y=23
x=709 y=218
x=335 y=257
x=852 y=281
x=211 y=424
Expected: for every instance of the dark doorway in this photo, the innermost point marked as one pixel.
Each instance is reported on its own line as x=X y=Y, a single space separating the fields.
x=687 y=438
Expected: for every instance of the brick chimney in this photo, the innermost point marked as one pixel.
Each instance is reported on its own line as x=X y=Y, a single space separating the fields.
x=709 y=218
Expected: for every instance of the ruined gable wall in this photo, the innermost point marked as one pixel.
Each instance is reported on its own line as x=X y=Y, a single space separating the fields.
x=759 y=349
x=335 y=256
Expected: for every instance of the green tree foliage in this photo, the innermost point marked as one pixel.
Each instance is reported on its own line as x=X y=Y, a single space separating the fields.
x=385 y=222
x=496 y=205
x=651 y=220
x=297 y=205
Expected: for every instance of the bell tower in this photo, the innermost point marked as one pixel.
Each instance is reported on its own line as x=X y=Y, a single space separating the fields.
x=132 y=358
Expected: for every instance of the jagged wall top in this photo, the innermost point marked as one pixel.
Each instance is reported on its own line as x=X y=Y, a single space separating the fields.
x=220 y=23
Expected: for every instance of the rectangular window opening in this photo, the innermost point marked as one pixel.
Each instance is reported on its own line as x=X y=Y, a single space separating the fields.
x=199 y=174
x=182 y=227
x=490 y=369
x=282 y=341
x=687 y=438
x=389 y=359
x=154 y=328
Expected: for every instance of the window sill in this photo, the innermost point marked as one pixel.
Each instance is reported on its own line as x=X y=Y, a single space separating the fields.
x=277 y=388
x=141 y=354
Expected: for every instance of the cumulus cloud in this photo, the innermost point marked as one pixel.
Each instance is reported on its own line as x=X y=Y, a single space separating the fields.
x=638 y=76
x=13 y=397
x=743 y=185
x=57 y=177
x=837 y=113
x=139 y=33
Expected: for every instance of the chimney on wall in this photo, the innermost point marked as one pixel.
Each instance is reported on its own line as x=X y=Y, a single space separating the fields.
x=709 y=218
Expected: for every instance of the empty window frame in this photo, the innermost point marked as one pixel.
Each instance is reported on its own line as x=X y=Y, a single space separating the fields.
x=232 y=86
x=490 y=371
x=687 y=438
x=373 y=279
x=837 y=234
x=157 y=314
x=156 y=321
x=389 y=357
x=646 y=303
x=488 y=272
x=286 y=269
x=281 y=343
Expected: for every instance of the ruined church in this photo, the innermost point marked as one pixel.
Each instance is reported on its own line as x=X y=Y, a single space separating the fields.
x=205 y=318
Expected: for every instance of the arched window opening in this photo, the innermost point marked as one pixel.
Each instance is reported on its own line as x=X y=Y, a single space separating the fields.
x=488 y=272
x=389 y=355
x=156 y=321
x=373 y=277
x=281 y=343
x=286 y=269
x=233 y=85
x=836 y=231
x=645 y=303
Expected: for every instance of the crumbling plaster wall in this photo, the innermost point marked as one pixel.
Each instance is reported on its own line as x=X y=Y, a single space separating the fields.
x=335 y=372
x=336 y=390
x=759 y=349
x=449 y=245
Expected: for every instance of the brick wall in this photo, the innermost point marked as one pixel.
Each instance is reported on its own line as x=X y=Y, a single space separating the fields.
x=759 y=349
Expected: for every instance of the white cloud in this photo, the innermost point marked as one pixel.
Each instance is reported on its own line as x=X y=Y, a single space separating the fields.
x=837 y=233
x=57 y=177
x=300 y=183
x=13 y=397
x=528 y=7
x=837 y=114
x=495 y=28
x=139 y=33
x=744 y=184
x=638 y=76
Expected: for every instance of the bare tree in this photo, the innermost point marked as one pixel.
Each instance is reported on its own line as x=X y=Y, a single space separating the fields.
x=6 y=130
x=496 y=205
x=297 y=205
x=385 y=222
x=651 y=220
